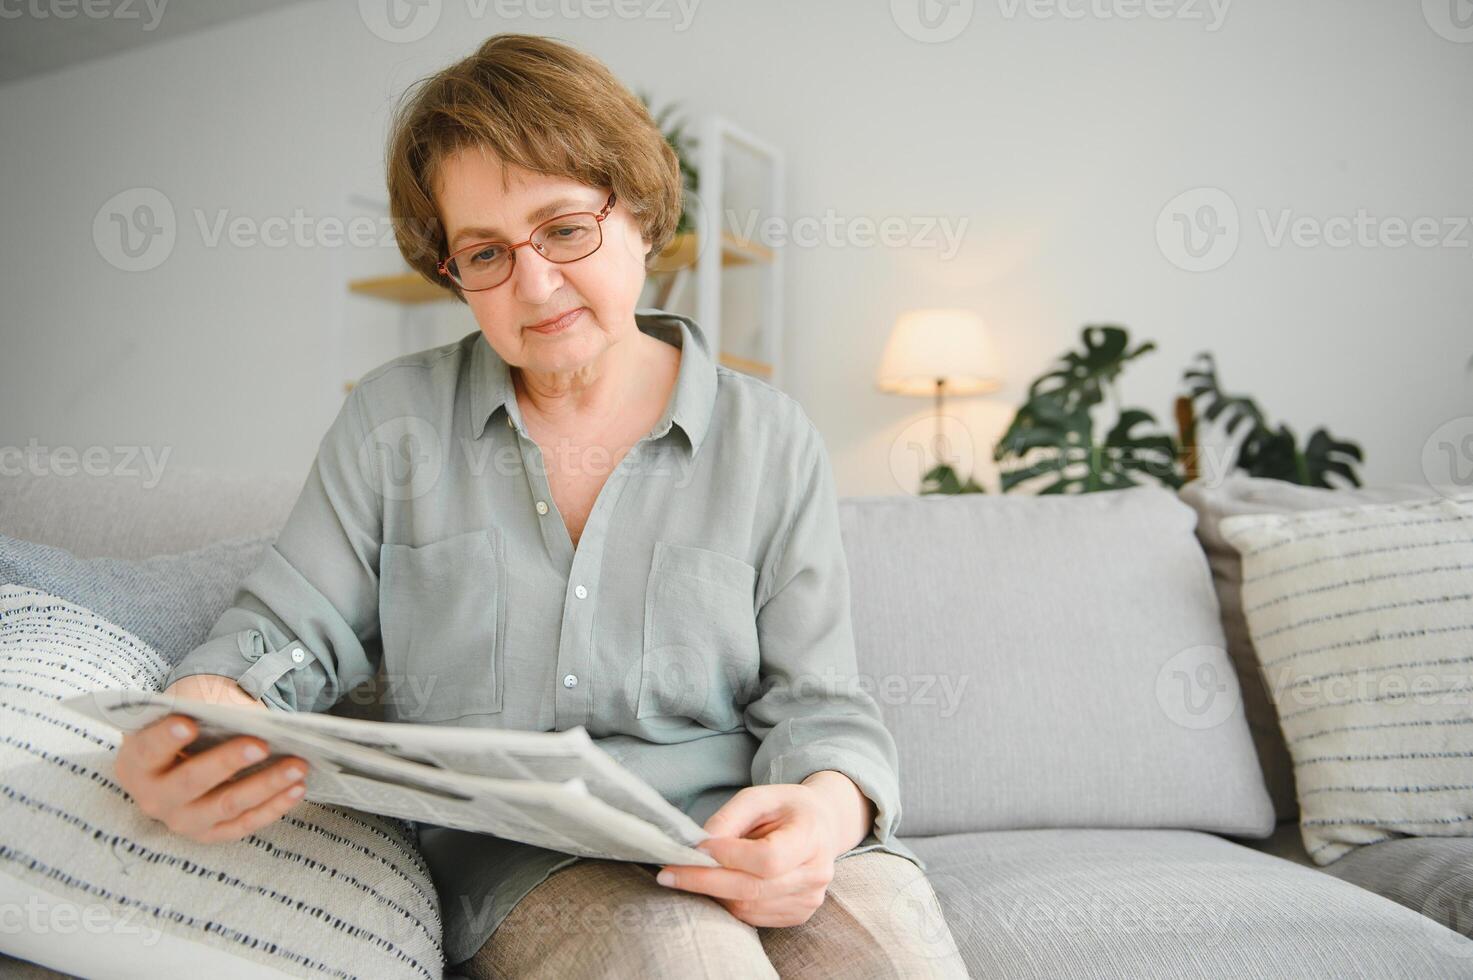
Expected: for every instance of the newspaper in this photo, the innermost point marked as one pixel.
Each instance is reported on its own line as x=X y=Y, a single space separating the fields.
x=553 y=789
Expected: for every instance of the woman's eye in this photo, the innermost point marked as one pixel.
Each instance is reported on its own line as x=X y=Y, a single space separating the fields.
x=487 y=254
x=566 y=231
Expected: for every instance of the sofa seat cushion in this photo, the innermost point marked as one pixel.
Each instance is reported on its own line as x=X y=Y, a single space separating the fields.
x=1433 y=875
x=1286 y=842
x=1168 y=903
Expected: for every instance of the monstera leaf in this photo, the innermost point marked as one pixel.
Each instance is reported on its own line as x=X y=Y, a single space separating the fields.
x=1045 y=422
x=1056 y=422
x=944 y=479
x=1079 y=465
x=1276 y=455
x=1201 y=384
x=1059 y=401
x=1079 y=381
x=1265 y=451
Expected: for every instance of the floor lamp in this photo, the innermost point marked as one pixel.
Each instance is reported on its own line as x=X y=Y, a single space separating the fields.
x=939 y=352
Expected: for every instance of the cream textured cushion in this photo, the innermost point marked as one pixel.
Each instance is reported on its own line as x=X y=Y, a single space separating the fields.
x=1238 y=493
x=1362 y=619
x=325 y=891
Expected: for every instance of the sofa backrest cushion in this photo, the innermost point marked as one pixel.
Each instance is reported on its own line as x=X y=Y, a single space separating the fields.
x=137 y=514
x=1050 y=661
x=169 y=602
x=176 y=518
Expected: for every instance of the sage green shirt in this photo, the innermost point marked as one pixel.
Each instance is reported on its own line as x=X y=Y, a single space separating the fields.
x=700 y=631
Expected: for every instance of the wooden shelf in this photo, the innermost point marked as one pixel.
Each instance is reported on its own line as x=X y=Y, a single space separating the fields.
x=681 y=252
x=746 y=365
x=406 y=287
x=740 y=251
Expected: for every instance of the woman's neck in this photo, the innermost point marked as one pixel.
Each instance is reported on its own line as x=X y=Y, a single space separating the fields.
x=593 y=397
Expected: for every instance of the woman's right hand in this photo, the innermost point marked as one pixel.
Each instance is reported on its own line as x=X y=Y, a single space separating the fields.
x=196 y=795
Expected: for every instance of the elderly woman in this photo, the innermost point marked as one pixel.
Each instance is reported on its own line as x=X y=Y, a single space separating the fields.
x=576 y=516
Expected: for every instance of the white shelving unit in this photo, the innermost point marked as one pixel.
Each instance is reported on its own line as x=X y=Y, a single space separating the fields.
x=727 y=278
x=740 y=303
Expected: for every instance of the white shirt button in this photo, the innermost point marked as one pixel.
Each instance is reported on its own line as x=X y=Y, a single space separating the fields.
x=542 y=507
x=581 y=592
x=570 y=681
x=298 y=655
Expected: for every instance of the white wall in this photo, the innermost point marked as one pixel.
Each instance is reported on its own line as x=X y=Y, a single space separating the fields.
x=1057 y=139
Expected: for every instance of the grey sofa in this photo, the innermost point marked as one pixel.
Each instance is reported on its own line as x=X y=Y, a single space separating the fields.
x=1053 y=848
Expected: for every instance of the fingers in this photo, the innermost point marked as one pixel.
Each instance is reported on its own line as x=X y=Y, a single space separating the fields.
x=254 y=819
x=738 y=886
x=264 y=796
x=784 y=846
x=154 y=747
x=750 y=807
x=203 y=797
x=187 y=781
x=716 y=882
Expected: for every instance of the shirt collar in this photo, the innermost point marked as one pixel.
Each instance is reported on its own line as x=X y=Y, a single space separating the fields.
x=695 y=386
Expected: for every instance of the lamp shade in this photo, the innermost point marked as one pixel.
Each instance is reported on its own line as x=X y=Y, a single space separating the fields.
x=950 y=345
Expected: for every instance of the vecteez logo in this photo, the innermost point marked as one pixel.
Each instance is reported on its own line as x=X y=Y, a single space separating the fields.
x=135 y=229
x=932 y=21
x=400 y=21
x=1450 y=19
x=1199 y=230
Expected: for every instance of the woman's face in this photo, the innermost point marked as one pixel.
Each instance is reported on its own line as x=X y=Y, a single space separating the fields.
x=606 y=284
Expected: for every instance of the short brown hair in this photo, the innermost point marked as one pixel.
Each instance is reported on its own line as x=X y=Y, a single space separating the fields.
x=539 y=104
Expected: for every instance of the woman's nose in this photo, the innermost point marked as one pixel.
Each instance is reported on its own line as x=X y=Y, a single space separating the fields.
x=534 y=278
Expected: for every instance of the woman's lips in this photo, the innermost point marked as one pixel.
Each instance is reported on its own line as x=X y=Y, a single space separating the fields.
x=561 y=324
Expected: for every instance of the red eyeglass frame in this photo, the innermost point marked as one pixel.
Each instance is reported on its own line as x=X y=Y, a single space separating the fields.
x=599 y=216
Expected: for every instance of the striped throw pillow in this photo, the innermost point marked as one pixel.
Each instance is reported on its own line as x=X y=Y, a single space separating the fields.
x=1362 y=619
x=325 y=891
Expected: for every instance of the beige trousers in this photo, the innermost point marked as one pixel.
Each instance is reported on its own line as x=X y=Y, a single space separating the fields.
x=595 y=918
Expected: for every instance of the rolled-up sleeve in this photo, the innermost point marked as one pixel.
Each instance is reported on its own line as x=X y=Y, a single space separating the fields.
x=813 y=714
x=299 y=632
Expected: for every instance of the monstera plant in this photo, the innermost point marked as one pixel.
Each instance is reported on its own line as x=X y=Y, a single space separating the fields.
x=1052 y=437
x=1264 y=450
x=684 y=145
x=1057 y=422
x=942 y=478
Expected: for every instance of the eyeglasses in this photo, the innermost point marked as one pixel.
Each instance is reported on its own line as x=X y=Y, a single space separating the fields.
x=565 y=238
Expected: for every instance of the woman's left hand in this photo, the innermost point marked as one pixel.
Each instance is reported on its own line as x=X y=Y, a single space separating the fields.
x=776 y=844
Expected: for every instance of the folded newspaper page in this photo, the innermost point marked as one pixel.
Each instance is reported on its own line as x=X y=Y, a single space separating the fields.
x=553 y=789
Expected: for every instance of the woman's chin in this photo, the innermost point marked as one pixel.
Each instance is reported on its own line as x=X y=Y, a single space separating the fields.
x=566 y=350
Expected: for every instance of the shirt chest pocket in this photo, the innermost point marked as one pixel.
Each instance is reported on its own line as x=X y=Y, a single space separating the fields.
x=440 y=605
x=700 y=658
